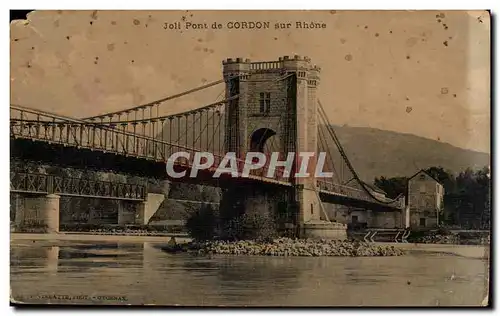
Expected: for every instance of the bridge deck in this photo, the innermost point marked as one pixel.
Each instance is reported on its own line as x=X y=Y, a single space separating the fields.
x=56 y=130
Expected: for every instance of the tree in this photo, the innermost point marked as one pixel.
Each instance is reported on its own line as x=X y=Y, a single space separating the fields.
x=202 y=224
x=472 y=198
x=486 y=219
x=393 y=187
x=446 y=178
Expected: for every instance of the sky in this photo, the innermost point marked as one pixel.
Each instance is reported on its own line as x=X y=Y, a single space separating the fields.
x=425 y=73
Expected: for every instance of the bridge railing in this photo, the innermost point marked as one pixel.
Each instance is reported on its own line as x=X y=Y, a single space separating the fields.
x=50 y=128
x=36 y=125
x=24 y=182
x=29 y=182
x=354 y=193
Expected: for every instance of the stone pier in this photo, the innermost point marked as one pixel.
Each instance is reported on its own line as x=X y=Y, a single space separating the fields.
x=139 y=213
x=37 y=211
x=303 y=207
x=312 y=221
x=256 y=200
x=318 y=229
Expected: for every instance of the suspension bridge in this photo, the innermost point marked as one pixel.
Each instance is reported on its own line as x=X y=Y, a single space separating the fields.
x=267 y=107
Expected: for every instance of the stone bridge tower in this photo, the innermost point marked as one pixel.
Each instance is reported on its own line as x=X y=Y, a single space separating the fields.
x=277 y=100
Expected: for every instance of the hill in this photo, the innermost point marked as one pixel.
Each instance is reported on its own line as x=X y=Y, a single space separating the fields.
x=375 y=153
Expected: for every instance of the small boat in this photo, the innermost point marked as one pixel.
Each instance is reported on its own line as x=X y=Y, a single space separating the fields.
x=172 y=246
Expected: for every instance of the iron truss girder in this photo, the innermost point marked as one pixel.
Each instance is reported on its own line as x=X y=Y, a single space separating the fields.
x=22 y=182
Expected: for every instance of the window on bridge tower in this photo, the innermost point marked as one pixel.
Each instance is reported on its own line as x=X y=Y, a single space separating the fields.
x=265 y=102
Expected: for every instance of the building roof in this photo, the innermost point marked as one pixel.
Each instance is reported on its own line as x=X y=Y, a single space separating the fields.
x=425 y=172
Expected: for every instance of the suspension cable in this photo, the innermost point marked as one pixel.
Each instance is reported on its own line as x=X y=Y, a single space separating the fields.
x=175 y=96
x=206 y=107
x=324 y=141
x=348 y=163
x=215 y=128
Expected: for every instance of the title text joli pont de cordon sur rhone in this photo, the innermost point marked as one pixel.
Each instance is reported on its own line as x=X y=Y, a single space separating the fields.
x=244 y=25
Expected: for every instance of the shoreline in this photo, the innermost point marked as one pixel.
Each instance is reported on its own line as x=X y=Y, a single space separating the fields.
x=70 y=236
x=468 y=251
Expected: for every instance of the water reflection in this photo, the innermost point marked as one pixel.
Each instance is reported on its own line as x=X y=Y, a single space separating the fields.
x=33 y=258
x=147 y=275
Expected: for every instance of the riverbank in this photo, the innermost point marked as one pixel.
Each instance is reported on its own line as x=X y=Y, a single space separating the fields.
x=69 y=236
x=468 y=251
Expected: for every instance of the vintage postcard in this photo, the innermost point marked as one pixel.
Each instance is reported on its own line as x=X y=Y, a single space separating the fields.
x=250 y=158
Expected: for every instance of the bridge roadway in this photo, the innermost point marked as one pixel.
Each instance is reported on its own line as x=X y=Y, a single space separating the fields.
x=39 y=183
x=79 y=136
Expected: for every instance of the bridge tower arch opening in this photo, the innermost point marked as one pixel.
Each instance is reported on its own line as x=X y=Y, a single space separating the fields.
x=278 y=96
x=262 y=139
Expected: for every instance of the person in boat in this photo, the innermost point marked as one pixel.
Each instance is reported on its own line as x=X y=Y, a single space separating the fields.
x=172 y=242
x=173 y=246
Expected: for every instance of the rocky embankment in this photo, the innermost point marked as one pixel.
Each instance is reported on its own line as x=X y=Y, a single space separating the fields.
x=451 y=239
x=286 y=247
x=436 y=239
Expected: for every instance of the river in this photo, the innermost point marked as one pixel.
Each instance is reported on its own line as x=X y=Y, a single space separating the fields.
x=111 y=272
